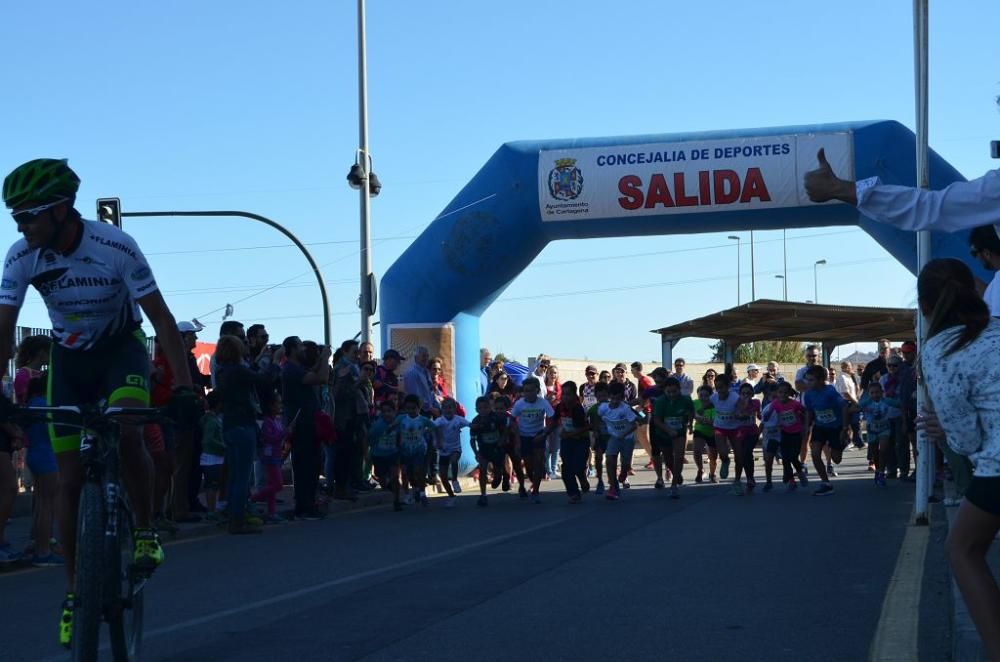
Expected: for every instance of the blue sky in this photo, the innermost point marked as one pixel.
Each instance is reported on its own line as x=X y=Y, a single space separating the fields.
x=253 y=106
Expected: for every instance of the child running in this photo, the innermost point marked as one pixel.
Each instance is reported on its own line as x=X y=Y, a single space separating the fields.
x=598 y=435
x=672 y=415
x=791 y=416
x=704 y=434
x=383 y=444
x=747 y=413
x=510 y=444
x=413 y=432
x=771 y=436
x=530 y=414
x=449 y=446
x=571 y=420
x=826 y=423
x=488 y=430
x=878 y=413
x=726 y=425
x=622 y=423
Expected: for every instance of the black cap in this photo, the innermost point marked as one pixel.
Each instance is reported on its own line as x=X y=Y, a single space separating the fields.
x=393 y=354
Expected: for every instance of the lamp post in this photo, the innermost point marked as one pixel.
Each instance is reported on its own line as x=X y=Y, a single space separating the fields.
x=753 y=272
x=784 y=287
x=784 y=257
x=733 y=237
x=816 y=266
x=362 y=178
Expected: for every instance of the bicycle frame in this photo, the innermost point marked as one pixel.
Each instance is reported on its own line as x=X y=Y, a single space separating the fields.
x=110 y=573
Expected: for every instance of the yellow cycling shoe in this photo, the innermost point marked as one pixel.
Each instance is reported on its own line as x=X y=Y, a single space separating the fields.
x=66 y=621
x=148 y=553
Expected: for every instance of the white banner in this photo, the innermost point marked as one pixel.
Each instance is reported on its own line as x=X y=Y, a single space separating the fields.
x=688 y=177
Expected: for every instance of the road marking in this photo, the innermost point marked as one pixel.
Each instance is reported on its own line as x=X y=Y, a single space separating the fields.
x=896 y=634
x=317 y=588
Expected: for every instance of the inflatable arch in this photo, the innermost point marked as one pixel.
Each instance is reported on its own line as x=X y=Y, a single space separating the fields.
x=533 y=192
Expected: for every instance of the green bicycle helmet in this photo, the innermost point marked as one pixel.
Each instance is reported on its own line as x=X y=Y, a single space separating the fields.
x=40 y=181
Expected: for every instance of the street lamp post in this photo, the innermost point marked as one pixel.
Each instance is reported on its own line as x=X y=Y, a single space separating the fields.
x=784 y=287
x=784 y=257
x=753 y=272
x=733 y=237
x=816 y=266
x=363 y=179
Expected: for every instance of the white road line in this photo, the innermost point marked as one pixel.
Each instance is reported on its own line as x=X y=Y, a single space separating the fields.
x=317 y=588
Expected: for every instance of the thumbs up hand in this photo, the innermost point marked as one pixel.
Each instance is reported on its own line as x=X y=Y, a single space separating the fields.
x=822 y=184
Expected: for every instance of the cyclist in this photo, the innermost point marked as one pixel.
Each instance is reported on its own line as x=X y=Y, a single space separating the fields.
x=94 y=280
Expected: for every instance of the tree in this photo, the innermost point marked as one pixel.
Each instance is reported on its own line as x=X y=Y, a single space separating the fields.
x=779 y=351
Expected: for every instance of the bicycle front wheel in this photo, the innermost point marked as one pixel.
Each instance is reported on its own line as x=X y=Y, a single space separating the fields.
x=125 y=618
x=89 y=571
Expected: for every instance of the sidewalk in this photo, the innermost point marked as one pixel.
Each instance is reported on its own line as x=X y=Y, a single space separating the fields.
x=966 y=644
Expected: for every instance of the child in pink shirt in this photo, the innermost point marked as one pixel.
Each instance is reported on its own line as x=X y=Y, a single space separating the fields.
x=791 y=415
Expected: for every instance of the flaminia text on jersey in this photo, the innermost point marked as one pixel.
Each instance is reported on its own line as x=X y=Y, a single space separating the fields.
x=709 y=187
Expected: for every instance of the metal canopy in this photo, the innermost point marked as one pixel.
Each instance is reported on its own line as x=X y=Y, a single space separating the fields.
x=767 y=319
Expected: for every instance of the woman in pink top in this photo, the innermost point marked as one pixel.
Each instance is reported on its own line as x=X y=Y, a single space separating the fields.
x=791 y=415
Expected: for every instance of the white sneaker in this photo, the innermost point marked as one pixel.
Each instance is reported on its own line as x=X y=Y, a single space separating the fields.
x=456 y=486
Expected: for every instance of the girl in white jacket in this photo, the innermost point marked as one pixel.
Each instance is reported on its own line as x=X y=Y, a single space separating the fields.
x=960 y=363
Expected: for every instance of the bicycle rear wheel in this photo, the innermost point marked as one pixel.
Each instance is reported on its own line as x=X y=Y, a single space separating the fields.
x=89 y=570
x=125 y=617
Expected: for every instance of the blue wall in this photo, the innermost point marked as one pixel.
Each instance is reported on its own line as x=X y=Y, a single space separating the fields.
x=467 y=251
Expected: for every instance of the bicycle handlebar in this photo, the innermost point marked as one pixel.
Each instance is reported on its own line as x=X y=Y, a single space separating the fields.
x=97 y=414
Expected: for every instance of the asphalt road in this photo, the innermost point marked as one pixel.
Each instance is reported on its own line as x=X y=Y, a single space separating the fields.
x=711 y=576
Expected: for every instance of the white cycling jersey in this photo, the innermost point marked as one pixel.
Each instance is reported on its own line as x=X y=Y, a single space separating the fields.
x=90 y=291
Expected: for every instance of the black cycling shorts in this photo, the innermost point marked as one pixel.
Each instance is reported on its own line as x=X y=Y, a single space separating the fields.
x=117 y=371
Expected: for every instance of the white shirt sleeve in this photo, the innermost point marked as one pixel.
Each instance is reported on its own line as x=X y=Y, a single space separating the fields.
x=15 y=276
x=958 y=206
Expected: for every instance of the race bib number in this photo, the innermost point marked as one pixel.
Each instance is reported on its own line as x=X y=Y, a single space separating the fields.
x=878 y=424
x=413 y=441
x=567 y=425
x=490 y=438
x=674 y=423
x=722 y=419
x=619 y=427
x=787 y=418
x=825 y=416
x=533 y=416
x=386 y=442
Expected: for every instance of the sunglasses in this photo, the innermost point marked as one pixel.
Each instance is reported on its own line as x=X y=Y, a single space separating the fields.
x=591 y=374
x=892 y=366
x=29 y=215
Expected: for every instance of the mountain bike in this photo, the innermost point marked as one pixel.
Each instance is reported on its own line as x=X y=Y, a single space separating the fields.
x=109 y=586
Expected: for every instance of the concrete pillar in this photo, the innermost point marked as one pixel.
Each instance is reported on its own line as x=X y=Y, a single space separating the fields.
x=667 y=352
x=827 y=354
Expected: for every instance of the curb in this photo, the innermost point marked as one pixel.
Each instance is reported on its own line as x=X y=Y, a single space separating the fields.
x=966 y=646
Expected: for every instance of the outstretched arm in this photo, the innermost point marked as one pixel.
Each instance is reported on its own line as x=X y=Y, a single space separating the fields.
x=958 y=206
